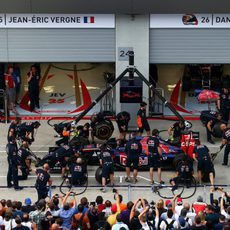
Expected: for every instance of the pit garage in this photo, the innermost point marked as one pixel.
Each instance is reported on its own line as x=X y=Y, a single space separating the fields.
x=190 y=53
x=75 y=55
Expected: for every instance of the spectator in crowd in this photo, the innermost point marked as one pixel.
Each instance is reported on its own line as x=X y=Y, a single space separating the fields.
x=19 y=225
x=115 y=209
x=119 y=224
x=26 y=222
x=199 y=205
x=38 y=215
x=125 y=214
x=100 y=204
x=80 y=220
x=66 y=211
x=27 y=208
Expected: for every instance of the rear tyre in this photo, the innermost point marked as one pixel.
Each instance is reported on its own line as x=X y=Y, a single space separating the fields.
x=98 y=176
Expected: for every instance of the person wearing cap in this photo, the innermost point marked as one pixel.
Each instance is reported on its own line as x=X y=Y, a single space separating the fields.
x=205 y=165
x=78 y=172
x=122 y=120
x=133 y=150
x=115 y=209
x=155 y=152
x=28 y=207
x=142 y=121
x=43 y=178
x=199 y=205
x=13 y=163
x=175 y=132
x=106 y=162
x=179 y=206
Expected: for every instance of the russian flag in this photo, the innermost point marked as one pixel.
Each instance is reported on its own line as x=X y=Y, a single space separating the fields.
x=88 y=19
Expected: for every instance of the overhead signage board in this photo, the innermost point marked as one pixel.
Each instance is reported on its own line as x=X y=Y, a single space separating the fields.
x=57 y=21
x=193 y=21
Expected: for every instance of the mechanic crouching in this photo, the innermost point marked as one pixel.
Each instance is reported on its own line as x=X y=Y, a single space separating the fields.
x=61 y=155
x=184 y=174
x=78 y=172
x=175 y=132
x=205 y=165
x=209 y=119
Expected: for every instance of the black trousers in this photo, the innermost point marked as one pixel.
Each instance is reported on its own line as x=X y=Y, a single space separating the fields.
x=63 y=140
x=34 y=97
x=24 y=175
x=12 y=174
x=225 y=113
x=42 y=192
x=226 y=153
x=209 y=133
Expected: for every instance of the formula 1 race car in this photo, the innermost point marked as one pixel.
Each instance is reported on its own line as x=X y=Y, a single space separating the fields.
x=171 y=155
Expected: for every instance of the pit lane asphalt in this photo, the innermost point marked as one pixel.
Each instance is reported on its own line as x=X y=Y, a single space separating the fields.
x=45 y=138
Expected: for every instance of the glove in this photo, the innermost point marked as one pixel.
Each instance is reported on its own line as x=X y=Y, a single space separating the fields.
x=222 y=146
x=171 y=138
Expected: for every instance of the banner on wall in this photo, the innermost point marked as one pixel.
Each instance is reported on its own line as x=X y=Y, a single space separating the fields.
x=190 y=21
x=57 y=21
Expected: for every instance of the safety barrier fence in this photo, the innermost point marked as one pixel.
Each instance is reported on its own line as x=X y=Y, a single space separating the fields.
x=140 y=190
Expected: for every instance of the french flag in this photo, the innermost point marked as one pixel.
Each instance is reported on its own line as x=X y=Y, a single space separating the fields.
x=88 y=19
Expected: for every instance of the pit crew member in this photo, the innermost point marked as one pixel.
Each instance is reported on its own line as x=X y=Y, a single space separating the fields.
x=154 y=151
x=106 y=161
x=201 y=155
x=133 y=149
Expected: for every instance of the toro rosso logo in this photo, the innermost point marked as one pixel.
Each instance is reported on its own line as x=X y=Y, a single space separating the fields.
x=189 y=19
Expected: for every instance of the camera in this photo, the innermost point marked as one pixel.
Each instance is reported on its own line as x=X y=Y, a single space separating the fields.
x=92 y=204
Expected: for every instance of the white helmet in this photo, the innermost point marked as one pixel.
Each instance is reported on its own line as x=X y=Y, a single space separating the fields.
x=187 y=124
x=73 y=124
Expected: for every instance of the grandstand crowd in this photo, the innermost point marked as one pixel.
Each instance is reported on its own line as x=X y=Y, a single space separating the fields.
x=69 y=212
